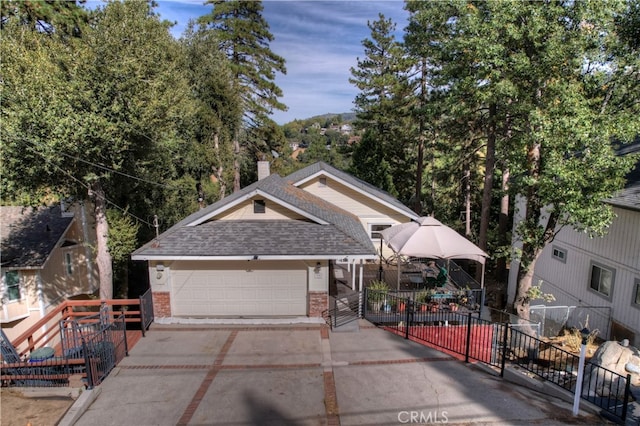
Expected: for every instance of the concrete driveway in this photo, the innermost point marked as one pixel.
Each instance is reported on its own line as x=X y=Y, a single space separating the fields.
x=304 y=375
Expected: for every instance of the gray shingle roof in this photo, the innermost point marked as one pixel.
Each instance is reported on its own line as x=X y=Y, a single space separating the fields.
x=351 y=180
x=30 y=235
x=196 y=235
x=629 y=197
x=256 y=238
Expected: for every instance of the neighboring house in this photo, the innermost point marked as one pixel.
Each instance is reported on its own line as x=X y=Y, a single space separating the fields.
x=600 y=276
x=46 y=258
x=268 y=249
x=346 y=129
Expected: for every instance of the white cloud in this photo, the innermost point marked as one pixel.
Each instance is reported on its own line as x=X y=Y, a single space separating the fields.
x=320 y=41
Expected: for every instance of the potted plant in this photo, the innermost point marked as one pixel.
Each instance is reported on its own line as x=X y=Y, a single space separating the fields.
x=377 y=294
x=423 y=297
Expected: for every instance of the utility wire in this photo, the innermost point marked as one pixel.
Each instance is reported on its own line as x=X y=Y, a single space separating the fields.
x=84 y=185
x=176 y=188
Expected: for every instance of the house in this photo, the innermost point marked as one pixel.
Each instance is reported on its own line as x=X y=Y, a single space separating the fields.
x=346 y=129
x=268 y=250
x=46 y=258
x=598 y=279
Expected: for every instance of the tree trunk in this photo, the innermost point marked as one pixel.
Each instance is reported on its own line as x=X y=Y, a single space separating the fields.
x=236 y=165
x=417 y=206
x=522 y=302
x=219 y=170
x=503 y=228
x=467 y=200
x=103 y=257
x=490 y=163
x=503 y=219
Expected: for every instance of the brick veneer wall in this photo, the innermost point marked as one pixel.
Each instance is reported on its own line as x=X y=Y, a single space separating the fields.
x=161 y=304
x=318 y=302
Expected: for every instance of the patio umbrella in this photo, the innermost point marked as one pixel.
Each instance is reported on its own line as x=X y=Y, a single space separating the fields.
x=428 y=237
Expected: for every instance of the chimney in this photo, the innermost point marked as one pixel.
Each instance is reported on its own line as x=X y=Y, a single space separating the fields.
x=263 y=169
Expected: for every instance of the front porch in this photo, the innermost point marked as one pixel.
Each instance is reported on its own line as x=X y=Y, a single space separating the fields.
x=344 y=282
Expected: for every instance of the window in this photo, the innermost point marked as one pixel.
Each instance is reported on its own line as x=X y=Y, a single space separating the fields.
x=602 y=279
x=376 y=229
x=68 y=263
x=322 y=182
x=12 y=285
x=636 y=294
x=259 y=206
x=559 y=254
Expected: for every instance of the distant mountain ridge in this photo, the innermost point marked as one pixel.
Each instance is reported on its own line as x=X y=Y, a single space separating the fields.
x=347 y=117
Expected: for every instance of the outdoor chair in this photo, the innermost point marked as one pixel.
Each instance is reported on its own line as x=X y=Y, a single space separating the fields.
x=441 y=279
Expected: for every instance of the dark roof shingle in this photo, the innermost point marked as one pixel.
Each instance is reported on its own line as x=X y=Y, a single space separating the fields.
x=29 y=235
x=342 y=235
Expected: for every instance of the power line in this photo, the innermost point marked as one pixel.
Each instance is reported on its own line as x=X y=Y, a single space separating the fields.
x=100 y=166
x=84 y=185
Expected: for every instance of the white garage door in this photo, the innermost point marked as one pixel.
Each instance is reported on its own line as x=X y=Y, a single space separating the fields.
x=255 y=293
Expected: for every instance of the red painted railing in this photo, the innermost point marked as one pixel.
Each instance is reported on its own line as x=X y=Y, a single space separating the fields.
x=46 y=332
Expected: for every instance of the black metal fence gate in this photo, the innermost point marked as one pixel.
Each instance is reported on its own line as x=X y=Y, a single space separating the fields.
x=99 y=340
x=469 y=337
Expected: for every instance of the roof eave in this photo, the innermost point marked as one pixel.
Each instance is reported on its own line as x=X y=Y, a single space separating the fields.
x=258 y=257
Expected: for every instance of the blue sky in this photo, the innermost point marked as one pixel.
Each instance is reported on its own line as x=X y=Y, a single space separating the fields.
x=320 y=41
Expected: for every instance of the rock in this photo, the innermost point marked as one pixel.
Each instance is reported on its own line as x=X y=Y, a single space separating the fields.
x=618 y=357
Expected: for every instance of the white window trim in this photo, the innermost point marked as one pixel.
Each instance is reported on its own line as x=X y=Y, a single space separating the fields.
x=372 y=224
x=613 y=280
x=4 y=288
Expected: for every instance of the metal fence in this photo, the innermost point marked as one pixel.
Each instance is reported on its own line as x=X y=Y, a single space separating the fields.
x=553 y=319
x=146 y=311
x=90 y=346
x=98 y=340
x=472 y=338
x=41 y=369
x=605 y=388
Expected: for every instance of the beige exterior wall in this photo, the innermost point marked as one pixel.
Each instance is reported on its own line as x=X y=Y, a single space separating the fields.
x=273 y=211
x=17 y=317
x=57 y=284
x=369 y=211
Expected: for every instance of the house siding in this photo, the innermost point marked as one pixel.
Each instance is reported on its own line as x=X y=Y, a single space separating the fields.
x=273 y=211
x=368 y=211
x=569 y=281
x=27 y=306
x=57 y=285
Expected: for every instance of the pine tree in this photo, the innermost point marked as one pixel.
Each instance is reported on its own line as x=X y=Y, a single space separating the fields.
x=381 y=78
x=243 y=35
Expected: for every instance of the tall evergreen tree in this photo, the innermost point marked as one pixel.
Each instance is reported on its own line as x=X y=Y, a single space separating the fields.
x=219 y=110
x=243 y=35
x=381 y=77
x=521 y=71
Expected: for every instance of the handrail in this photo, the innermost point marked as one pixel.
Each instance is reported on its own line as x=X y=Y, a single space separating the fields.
x=46 y=330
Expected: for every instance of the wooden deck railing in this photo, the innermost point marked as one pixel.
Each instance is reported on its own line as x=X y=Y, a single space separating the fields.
x=46 y=332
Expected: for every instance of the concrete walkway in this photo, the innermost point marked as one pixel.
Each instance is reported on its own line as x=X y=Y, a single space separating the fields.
x=304 y=375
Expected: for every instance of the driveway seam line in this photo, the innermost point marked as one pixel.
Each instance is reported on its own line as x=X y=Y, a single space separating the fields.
x=331 y=408
x=206 y=383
